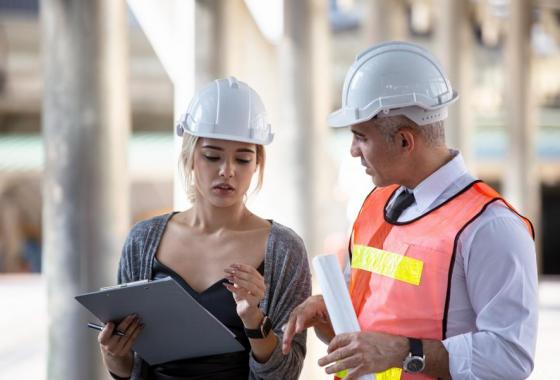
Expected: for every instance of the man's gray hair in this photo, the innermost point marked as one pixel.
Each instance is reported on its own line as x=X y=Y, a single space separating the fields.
x=433 y=134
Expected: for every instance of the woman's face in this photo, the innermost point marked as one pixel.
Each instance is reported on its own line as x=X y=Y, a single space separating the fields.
x=223 y=170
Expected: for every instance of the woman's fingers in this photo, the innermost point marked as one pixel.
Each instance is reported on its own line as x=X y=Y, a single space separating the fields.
x=125 y=323
x=130 y=338
x=106 y=334
x=250 y=286
x=246 y=276
x=117 y=345
x=131 y=327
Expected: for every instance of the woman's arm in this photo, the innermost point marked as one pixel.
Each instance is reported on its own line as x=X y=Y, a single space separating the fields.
x=117 y=350
x=289 y=284
x=248 y=289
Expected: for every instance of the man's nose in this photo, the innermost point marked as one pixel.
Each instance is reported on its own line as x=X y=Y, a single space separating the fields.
x=354 y=150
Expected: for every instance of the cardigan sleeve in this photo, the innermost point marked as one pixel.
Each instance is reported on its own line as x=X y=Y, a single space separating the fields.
x=288 y=284
x=131 y=265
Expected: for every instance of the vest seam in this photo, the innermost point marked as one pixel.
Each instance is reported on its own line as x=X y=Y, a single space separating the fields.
x=352 y=234
x=452 y=264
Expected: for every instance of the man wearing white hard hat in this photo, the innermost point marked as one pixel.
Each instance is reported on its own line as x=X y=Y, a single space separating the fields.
x=441 y=269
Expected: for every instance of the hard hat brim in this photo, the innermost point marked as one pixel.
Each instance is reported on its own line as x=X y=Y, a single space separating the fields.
x=218 y=136
x=345 y=117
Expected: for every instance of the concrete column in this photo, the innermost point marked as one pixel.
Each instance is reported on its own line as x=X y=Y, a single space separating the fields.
x=454 y=49
x=521 y=180
x=210 y=55
x=304 y=88
x=169 y=25
x=386 y=20
x=86 y=125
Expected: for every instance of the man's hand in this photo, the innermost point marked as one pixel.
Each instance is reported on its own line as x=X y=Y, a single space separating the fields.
x=311 y=313
x=364 y=352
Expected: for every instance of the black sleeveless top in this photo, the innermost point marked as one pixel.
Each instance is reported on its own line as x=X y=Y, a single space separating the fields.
x=218 y=301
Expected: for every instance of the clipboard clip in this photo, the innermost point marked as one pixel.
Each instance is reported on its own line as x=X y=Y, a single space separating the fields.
x=124 y=285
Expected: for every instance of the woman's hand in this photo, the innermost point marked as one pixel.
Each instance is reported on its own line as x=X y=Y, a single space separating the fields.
x=248 y=287
x=117 y=350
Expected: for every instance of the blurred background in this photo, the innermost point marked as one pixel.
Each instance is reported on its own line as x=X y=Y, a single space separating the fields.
x=90 y=89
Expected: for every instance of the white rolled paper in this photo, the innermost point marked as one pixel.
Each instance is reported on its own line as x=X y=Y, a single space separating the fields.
x=337 y=298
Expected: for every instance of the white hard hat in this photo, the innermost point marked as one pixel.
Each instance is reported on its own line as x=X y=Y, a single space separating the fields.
x=394 y=78
x=227 y=109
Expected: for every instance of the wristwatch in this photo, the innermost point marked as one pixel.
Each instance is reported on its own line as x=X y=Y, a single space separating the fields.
x=416 y=360
x=262 y=331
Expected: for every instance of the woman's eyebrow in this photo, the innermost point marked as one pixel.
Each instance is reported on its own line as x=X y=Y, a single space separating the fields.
x=245 y=150
x=240 y=150
x=212 y=147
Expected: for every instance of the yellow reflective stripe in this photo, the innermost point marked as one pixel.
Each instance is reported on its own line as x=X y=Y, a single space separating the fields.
x=390 y=374
x=387 y=264
x=342 y=374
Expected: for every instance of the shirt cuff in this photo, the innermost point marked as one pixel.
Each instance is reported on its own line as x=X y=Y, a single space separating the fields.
x=459 y=348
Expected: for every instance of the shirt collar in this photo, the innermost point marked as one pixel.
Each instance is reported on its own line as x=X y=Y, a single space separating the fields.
x=433 y=186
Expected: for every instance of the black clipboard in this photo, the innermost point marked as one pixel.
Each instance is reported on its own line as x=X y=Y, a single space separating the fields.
x=176 y=326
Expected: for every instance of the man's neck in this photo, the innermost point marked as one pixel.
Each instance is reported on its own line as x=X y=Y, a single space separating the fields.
x=427 y=163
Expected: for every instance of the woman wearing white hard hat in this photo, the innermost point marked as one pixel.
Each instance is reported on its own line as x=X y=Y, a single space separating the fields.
x=247 y=271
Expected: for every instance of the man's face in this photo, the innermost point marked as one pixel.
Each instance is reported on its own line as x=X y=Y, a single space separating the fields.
x=378 y=156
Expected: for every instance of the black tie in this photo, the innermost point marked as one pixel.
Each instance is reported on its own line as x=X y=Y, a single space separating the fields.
x=405 y=199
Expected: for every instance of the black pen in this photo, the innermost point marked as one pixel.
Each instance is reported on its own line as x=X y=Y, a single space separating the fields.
x=99 y=327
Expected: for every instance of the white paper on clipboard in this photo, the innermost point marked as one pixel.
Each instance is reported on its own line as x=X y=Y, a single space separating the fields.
x=337 y=298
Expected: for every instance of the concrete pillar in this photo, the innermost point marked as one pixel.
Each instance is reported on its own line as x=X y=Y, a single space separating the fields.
x=86 y=125
x=521 y=180
x=386 y=20
x=304 y=61
x=210 y=55
x=454 y=49
x=169 y=25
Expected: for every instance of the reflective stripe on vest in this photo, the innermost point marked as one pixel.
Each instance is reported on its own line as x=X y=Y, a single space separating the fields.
x=401 y=272
x=389 y=264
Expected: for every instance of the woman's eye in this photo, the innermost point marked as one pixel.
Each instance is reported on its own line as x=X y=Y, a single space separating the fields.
x=212 y=158
x=243 y=161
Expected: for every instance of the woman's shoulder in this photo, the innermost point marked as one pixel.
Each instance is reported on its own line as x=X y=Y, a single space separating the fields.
x=283 y=231
x=285 y=239
x=142 y=229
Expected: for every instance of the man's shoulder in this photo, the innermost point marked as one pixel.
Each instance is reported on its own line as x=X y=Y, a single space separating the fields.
x=501 y=219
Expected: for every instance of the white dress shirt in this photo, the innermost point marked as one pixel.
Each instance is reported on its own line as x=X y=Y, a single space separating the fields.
x=493 y=306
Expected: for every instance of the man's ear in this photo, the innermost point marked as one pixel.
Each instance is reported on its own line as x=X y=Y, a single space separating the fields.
x=405 y=139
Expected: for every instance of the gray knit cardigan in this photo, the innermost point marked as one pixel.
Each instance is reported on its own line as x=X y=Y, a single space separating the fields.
x=286 y=274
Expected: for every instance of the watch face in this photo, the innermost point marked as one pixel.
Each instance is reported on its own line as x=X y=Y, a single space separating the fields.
x=414 y=364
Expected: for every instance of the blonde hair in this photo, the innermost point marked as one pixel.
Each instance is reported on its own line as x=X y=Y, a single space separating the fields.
x=186 y=164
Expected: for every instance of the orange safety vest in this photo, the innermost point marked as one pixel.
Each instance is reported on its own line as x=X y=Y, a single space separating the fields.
x=401 y=272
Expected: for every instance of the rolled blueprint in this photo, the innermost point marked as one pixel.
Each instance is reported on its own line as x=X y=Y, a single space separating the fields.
x=337 y=298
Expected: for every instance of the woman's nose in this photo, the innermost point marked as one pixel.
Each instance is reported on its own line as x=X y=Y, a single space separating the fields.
x=227 y=170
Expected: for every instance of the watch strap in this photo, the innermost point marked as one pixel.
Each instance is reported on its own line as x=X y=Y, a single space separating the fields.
x=262 y=331
x=416 y=348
